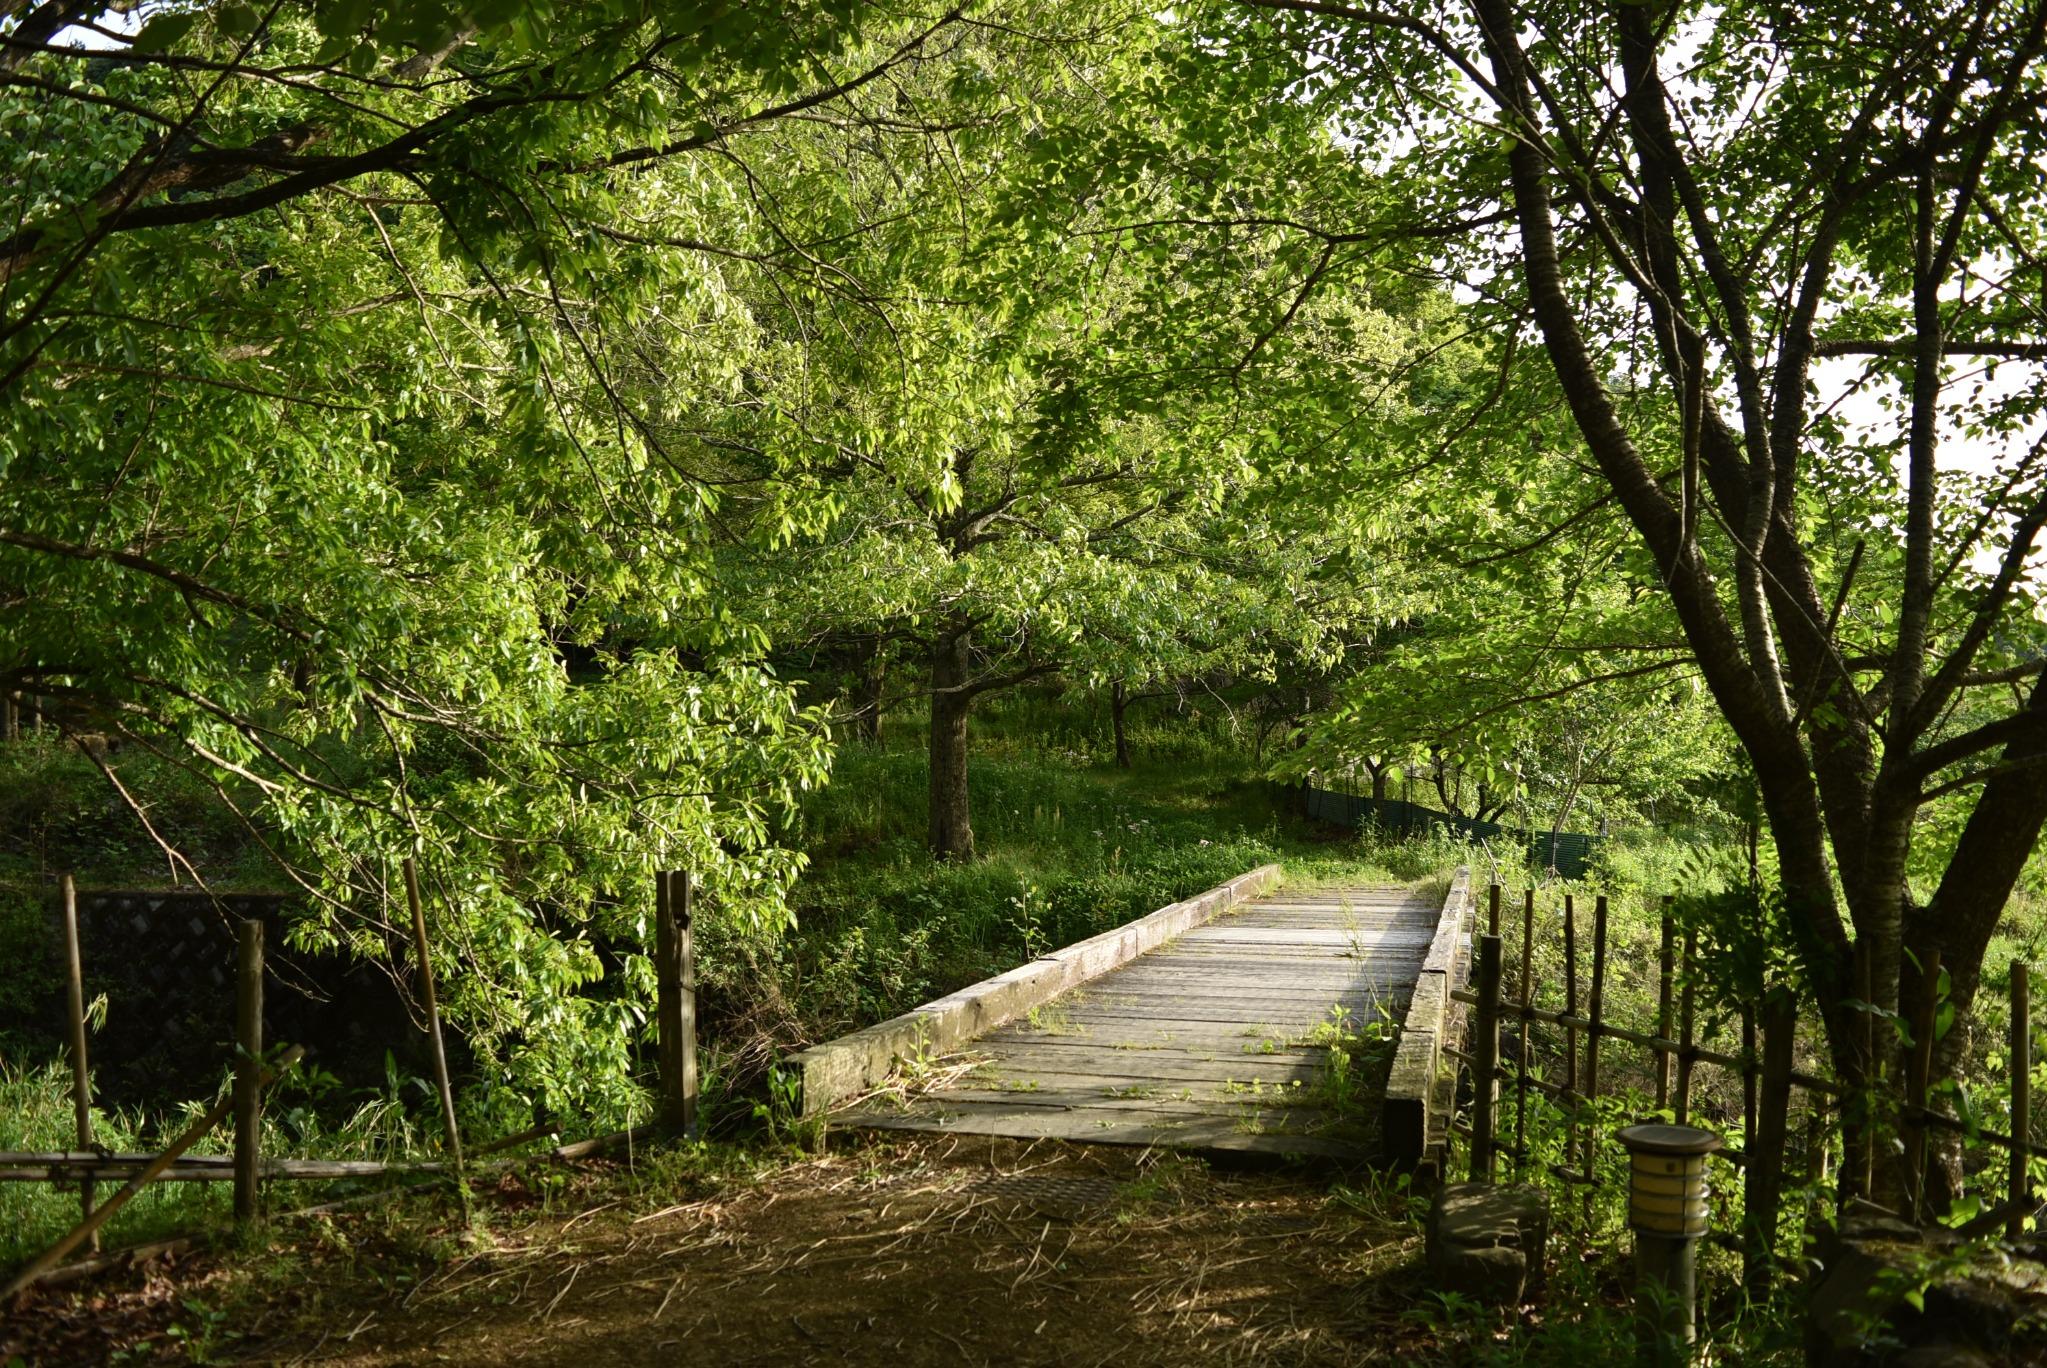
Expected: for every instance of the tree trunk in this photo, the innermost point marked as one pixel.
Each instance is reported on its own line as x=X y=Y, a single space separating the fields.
x=1960 y=918
x=952 y=830
x=1825 y=791
x=867 y=707
x=1119 y=701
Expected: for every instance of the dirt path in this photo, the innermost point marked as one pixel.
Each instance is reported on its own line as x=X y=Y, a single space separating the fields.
x=921 y=1251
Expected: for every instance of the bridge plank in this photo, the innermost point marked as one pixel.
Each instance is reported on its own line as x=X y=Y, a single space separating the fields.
x=1197 y=1043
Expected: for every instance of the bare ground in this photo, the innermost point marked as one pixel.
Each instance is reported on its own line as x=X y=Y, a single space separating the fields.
x=901 y=1253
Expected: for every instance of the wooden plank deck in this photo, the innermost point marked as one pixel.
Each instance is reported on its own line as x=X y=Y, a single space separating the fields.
x=1216 y=1040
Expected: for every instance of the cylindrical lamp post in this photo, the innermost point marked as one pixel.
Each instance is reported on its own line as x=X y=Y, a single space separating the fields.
x=1667 y=1212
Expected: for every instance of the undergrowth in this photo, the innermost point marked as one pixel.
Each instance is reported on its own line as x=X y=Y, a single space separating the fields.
x=36 y=1117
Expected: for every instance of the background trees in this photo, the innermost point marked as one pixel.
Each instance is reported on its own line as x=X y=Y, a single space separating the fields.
x=1062 y=448
x=365 y=378
x=426 y=430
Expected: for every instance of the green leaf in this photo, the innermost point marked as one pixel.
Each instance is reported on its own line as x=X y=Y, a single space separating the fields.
x=237 y=21
x=163 y=31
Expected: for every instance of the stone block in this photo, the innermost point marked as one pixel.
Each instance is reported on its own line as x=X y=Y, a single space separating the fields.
x=1488 y=1241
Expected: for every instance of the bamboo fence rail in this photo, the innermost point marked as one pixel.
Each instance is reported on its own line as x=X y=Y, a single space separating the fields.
x=1764 y=1066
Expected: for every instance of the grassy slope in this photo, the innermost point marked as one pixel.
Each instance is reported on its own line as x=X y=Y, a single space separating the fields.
x=1069 y=846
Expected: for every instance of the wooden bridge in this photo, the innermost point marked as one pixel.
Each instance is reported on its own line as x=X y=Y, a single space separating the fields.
x=1253 y=1019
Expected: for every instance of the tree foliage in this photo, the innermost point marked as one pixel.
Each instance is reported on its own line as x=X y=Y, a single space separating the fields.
x=365 y=404
x=427 y=423
x=1686 y=214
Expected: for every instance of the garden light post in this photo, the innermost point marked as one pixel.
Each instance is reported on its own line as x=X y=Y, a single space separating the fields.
x=1667 y=1212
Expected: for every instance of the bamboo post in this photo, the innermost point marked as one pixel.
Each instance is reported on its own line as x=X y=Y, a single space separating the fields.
x=1665 y=968
x=675 y=1015
x=433 y=1030
x=1570 y=994
x=1918 y=1068
x=2021 y=1095
x=1686 y=1025
x=1492 y=916
x=1594 y=1005
x=248 y=1071
x=1521 y=1054
x=81 y=1072
x=1485 y=1058
x=1569 y=1095
x=104 y=1212
x=1763 y=1176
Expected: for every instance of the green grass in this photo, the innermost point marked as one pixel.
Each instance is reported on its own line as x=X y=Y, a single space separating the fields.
x=1069 y=846
x=36 y=1116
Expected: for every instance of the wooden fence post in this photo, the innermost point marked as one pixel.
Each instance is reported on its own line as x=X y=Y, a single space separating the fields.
x=1492 y=917
x=1918 y=1068
x=1594 y=1012
x=1485 y=1065
x=104 y=1212
x=1521 y=1052
x=1665 y=968
x=81 y=1073
x=675 y=1001
x=1570 y=993
x=1763 y=1178
x=1687 y=1045
x=248 y=1071
x=2020 y=1188
x=452 y=1132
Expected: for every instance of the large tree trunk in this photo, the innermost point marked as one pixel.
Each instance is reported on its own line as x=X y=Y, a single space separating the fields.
x=1119 y=701
x=952 y=831
x=1964 y=911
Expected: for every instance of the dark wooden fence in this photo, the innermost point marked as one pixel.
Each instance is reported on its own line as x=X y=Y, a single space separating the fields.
x=218 y=943
x=164 y=960
x=1775 y=1096
x=1568 y=852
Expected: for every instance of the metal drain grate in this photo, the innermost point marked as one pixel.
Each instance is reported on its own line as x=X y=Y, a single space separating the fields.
x=1045 y=1191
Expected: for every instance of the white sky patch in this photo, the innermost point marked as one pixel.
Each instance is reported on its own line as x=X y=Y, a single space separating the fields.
x=91 y=39
x=1840 y=382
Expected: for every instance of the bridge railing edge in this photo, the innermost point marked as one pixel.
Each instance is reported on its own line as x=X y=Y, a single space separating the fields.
x=1415 y=1113
x=829 y=1073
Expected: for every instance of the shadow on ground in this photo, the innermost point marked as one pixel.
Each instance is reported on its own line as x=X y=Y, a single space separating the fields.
x=900 y=1253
